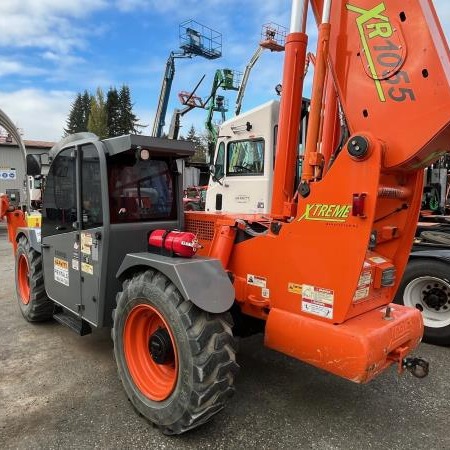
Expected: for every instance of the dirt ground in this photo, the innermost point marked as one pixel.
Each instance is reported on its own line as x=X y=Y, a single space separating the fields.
x=59 y=390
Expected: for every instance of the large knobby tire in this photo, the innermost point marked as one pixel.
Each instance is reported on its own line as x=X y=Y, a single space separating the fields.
x=177 y=362
x=34 y=304
x=426 y=286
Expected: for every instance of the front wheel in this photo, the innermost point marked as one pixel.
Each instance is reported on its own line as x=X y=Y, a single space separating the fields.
x=177 y=363
x=34 y=304
x=426 y=286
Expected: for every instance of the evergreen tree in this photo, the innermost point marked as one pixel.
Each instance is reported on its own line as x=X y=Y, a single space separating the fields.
x=113 y=112
x=75 y=121
x=98 y=120
x=200 y=145
x=128 y=122
x=86 y=106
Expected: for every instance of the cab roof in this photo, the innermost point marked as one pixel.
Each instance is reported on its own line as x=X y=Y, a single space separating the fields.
x=116 y=145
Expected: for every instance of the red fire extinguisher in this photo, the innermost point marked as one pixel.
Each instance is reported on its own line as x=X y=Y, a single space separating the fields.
x=179 y=243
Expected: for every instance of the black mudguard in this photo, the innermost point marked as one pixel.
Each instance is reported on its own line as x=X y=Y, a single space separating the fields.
x=203 y=281
x=33 y=235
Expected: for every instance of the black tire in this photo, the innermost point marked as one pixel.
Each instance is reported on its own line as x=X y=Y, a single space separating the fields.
x=38 y=307
x=426 y=281
x=436 y=237
x=205 y=348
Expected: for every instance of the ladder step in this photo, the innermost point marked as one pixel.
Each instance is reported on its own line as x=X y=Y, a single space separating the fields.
x=76 y=324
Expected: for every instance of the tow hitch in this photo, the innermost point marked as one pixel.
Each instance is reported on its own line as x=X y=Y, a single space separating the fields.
x=417 y=366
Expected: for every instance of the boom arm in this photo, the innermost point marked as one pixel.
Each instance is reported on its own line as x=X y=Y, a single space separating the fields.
x=220 y=81
x=243 y=86
x=164 y=95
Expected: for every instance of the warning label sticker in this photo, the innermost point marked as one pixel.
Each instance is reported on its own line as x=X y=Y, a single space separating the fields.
x=75 y=264
x=378 y=260
x=295 y=288
x=86 y=243
x=87 y=268
x=361 y=294
x=365 y=278
x=265 y=293
x=254 y=280
x=61 y=271
x=317 y=301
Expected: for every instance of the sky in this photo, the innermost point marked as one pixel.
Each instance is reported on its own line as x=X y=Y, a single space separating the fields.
x=52 y=49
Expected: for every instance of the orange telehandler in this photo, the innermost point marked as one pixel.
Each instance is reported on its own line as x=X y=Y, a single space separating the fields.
x=317 y=273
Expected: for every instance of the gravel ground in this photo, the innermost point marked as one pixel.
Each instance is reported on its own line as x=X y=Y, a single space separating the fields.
x=59 y=390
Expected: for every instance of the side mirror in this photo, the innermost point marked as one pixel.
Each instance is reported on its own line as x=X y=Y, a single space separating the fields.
x=33 y=165
x=212 y=171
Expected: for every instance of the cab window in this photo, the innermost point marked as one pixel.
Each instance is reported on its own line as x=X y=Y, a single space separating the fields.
x=141 y=190
x=60 y=203
x=91 y=188
x=245 y=158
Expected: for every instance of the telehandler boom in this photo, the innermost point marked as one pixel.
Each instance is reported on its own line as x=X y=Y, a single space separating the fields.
x=316 y=272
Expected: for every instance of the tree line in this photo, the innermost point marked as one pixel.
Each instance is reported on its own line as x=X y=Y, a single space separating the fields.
x=114 y=116
x=108 y=117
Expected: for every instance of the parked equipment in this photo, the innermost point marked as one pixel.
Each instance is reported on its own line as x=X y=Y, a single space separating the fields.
x=426 y=282
x=195 y=40
x=316 y=273
x=273 y=37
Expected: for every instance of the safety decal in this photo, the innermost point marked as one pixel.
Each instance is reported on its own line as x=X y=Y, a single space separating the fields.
x=254 y=280
x=295 y=288
x=94 y=249
x=86 y=243
x=75 y=264
x=87 y=268
x=361 y=294
x=317 y=301
x=365 y=278
x=61 y=271
x=265 y=293
x=38 y=234
x=378 y=260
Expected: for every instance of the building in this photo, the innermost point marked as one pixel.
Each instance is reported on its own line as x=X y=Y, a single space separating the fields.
x=12 y=170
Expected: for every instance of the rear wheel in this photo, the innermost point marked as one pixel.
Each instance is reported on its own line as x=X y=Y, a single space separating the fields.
x=426 y=286
x=32 y=298
x=177 y=363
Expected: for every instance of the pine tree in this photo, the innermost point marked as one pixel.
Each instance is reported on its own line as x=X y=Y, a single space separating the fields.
x=98 y=119
x=128 y=122
x=75 y=121
x=113 y=112
x=199 y=144
x=86 y=106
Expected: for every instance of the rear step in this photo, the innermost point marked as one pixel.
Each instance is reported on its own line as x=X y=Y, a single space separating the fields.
x=76 y=324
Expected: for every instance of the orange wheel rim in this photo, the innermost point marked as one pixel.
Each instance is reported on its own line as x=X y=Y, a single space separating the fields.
x=24 y=280
x=143 y=328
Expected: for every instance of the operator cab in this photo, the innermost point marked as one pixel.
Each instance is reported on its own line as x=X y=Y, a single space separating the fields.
x=101 y=201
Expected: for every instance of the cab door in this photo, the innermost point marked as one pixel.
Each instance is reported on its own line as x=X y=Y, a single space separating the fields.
x=91 y=230
x=72 y=231
x=60 y=233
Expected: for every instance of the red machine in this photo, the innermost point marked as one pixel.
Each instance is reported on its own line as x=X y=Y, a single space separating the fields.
x=325 y=265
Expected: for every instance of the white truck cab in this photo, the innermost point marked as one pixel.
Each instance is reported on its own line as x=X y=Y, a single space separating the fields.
x=241 y=179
